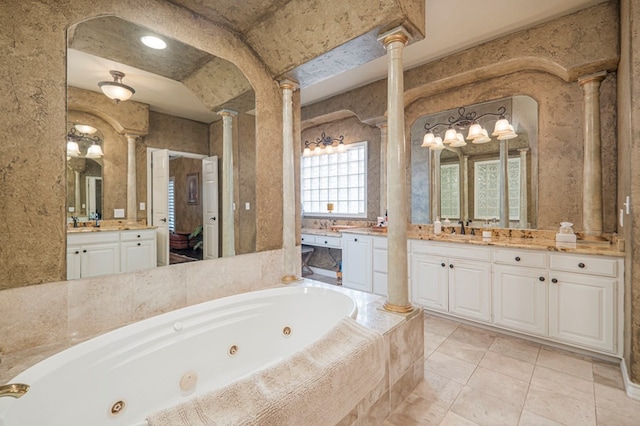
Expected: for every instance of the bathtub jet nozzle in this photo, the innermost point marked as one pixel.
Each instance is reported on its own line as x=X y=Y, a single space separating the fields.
x=15 y=390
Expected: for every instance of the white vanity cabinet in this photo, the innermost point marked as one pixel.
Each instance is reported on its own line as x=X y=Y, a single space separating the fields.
x=356 y=262
x=583 y=296
x=452 y=278
x=520 y=290
x=379 y=265
x=137 y=250
x=93 y=253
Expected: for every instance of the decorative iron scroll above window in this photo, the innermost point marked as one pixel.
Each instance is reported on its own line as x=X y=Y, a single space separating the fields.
x=84 y=141
x=474 y=122
x=324 y=145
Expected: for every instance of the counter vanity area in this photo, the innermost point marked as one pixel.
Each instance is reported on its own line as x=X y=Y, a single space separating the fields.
x=109 y=249
x=520 y=280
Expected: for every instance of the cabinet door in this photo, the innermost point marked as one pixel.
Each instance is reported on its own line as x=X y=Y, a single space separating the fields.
x=100 y=259
x=136 y=255
x=429 y=287
x=379 y=265
x=469 y=289
x=356 y=262
x=73 y=262
x=581 y=310
x=520 y=298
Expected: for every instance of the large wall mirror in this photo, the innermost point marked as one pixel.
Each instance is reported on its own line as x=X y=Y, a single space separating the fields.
x=490 y=179
x=179 y=91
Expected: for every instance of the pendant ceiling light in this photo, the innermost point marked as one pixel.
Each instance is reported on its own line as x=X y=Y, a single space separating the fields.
x=115 y=89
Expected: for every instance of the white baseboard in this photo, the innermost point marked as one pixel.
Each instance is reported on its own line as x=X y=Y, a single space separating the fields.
x=632 y=389
x=324 y=272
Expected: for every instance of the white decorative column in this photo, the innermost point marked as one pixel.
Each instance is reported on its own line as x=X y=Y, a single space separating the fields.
x=77 y=205
x=394 y=42
x=435 y=184
x=465 y=188
x=504 y=184
x=524 y=206
x=132 y=208
x=292 y=261
x=228 y=225
x=592 y=169
x=383 y=167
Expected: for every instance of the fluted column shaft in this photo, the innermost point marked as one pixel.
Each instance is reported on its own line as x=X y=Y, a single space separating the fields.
x=132 y=209
x=464 y=193
x=383 y=168
x=435 y=183
x=504 y=184
x=592 y=168
x=292 y=260
x=524 y=205
x=398 y=280
x=228 y=224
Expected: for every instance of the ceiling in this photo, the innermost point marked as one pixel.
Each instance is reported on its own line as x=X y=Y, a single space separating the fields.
x=451 y=26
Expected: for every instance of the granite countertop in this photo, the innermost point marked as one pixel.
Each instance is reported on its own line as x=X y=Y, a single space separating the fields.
x=528 y=240
x=106 y=228
x=323 y=232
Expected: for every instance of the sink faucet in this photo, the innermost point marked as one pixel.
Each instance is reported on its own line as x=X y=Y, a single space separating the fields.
x=75 y=221
x=15 y=390
x=461 y=227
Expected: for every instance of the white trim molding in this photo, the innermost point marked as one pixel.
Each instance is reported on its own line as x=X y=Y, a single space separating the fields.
x=632 y=389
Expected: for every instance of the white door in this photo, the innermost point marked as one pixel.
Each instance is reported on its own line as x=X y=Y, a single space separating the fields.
x=469 y=290
x=581 y=310
x=520 y=298
x=356 y=262
x=429 y=282
x=93 y=192
x=160 y=200
x=210 y=207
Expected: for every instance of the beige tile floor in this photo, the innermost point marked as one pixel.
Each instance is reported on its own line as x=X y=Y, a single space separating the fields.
x=475 y=376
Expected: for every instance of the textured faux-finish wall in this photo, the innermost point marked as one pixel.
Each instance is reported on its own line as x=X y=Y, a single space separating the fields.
x=32 y=161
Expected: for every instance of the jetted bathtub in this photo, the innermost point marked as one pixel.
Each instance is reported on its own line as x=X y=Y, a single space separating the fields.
x=122 y=377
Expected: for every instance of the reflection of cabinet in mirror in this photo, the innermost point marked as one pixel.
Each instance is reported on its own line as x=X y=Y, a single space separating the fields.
x=471 y=176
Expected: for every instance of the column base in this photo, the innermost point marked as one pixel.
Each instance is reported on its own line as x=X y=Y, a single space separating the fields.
x=288 y=279
x=401 y=309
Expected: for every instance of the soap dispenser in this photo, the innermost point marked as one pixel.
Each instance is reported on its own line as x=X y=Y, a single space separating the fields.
x=437 y=226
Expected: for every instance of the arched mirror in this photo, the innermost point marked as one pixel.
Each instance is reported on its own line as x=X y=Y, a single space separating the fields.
x=466 y=168
x=179 y=91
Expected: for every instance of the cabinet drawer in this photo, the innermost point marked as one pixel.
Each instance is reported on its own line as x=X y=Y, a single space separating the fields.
x=323 y=241
x=458 y=251
x=594 y=265
x=93 y=237
x=521 y=258
x=380 y=243
x=308 y=239
x=135 y=235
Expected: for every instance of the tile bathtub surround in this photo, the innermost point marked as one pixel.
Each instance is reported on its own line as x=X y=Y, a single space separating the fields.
x=477 y=377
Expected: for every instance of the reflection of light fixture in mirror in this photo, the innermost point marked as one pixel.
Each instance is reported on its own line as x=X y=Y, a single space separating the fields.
x=324 y=145
x=85 y=135
x=477 y=134
x=115 y=89
x=153 y=42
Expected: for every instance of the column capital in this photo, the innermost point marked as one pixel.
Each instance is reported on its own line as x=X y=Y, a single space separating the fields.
x=289 y=84
x=129 y=136
x=393 y=35
x=596 y=78
x=382 y=124
x=227 y=112
x=524 y=150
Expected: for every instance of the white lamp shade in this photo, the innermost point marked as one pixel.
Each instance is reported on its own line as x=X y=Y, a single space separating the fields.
x=437 y=145
x=502 y=126
x=318 y=150
x=475 y=131
x=85 y=128
x=428 y=140
x=116 y=91
x=329 y=149
x=484 y=138
x=306 y=152
x=451 y=136
x=459 y=142
x=342 y=148
x=72 y=149
x=94 y=151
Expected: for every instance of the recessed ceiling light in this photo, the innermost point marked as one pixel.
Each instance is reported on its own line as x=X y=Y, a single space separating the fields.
x=153 y=42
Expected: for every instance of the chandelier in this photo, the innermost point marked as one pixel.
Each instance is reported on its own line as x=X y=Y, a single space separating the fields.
x=324 y=145
x=116 y=89
x=453 y=137
x=83 y=134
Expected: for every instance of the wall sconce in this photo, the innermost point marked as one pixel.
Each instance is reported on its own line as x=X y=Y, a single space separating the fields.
x=471 y=120
x=85 y=135
x=324 y=145
x=115 y=89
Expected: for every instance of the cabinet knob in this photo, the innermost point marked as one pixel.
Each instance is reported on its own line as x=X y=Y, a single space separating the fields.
x=138 y=236
x=442 y=264
x=77 y=252
x=84 y=251
x=451 y=265
x=301 y=239
x=517 y=258
x=554 y=280
x=355 y=239
x=139 y=244
x=212 y=218
x=541 y=279
x=325 y=242
x=580 y=265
